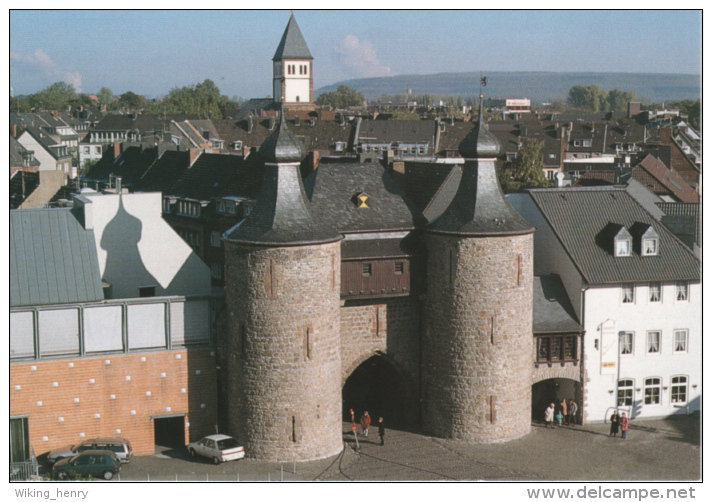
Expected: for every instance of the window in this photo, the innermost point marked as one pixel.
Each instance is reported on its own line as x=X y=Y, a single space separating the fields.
x=399 y=268
x=652 y=391
x=653 y=343
x=221 y=206
x=654 y=292
x=681 y=291
x=625 y=343
x=147 y=291
x=215 y=239
x=216 y=270
x=366 y=270
x=628 y=293
x=625 y=392
x=680 y=340
x=623 y=247
x=678 y=394
x=650 y=247
x=97 y=150
x=556 y=348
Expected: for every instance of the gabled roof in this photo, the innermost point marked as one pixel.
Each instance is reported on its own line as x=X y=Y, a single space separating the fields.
x=333 y=188
x=130 y=165
x=17 y=155
x=52 y=259
x=653 y=173
x=215 y=175
x=582 y=219
x=553 y=312
x=292 y=45
x=393 y=131
x=165 y=173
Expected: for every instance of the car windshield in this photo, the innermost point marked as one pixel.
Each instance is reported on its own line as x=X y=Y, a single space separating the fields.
x=226 y=444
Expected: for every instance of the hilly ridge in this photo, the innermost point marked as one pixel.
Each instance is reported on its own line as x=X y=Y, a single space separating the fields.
x=537 y=86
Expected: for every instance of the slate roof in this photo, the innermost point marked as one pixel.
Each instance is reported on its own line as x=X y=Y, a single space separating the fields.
x=684 y=220
x=581 y=217
x=47 y=142
x=16 y=155
x=479 y=207
x=292 y=45
x=216 y=175
x=130 y=165
x=431 y=186
x=52 y=259
x=164 y=174
x=553 y=312
x=394 y=131
x=333 y=187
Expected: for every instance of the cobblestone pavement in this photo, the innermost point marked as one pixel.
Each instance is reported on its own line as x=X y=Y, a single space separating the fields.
x=662 y=450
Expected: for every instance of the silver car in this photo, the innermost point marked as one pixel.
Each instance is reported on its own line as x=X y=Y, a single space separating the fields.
x=120 y=446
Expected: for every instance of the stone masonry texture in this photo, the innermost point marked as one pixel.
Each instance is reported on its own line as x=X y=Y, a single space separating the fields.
x=284 y=387
x=477 y=344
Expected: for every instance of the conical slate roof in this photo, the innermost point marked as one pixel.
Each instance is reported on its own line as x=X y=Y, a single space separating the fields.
x=281 y=216
x=292 y=45
x=479 y=207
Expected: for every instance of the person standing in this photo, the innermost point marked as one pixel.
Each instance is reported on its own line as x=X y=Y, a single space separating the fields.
x=573 y=409
x=564 y=411
x=549 y=415
x=381 y=429
x=615 y=421
x=365 y=422
x=624 y=425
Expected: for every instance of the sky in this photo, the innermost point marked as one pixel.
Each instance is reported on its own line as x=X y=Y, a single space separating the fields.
x=150 y=52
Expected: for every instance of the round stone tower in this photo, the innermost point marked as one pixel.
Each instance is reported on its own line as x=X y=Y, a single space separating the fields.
x=477 y=344
x=282 y=293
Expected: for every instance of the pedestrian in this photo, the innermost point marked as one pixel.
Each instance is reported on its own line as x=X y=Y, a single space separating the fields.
x=563 y=411
x=365 y=422
x=381 y=429
x=352 y=415
x=549 y=416
x=573 y=409
x=624 y=425
x=615 y=421
x=559 y=418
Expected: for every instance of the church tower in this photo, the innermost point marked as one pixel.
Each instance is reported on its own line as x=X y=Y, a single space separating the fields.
x=477 y=344
x=282 y=295
x=293 y=82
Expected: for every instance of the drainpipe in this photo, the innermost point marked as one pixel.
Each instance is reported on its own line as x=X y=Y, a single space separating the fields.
x=583 y=357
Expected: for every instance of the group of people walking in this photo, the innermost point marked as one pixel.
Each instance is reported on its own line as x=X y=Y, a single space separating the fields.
x=564 y=414
x=619 y=422
x=366 y=425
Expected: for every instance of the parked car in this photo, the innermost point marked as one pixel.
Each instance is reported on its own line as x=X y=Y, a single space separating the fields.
x=218 y=447
x=100 y=463
x=120 y=446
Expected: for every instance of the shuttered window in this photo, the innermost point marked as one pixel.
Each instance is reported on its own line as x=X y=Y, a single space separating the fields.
x=147 y=326
x=190 y=323
x=59 y=332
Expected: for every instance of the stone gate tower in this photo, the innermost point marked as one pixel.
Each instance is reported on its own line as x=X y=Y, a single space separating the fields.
x=477 y=342
x=282 y=293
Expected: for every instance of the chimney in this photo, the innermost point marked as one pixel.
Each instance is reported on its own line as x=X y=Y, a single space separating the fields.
x=56 y=114
x=118 y=148
x=399 y=167
x=249 y=124
x=13 y=129
x=118 y=184
x=272 y=123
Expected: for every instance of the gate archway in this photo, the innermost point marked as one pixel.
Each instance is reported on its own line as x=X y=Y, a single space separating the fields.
x=553 y=390
x=378 y=387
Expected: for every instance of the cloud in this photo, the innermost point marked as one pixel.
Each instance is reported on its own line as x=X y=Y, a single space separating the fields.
x=359 y=57
x=40 y=62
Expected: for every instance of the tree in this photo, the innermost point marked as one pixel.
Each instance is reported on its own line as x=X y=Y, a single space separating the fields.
x=341 y=98
x=618 y=100
x=55 y=97
x=203 y=98
x=132 y=100
x=526 y=169
x=589 y=97
x=105 y=96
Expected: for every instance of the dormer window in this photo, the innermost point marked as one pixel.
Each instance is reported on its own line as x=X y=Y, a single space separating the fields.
x=622 y=243
x=649 y=242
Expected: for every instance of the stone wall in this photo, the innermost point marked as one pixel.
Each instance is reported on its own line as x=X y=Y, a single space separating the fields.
x=477 y=343
x=284 y=350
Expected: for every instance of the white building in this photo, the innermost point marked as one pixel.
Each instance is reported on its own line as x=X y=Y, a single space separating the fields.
x=292 y=74
x=636 y=289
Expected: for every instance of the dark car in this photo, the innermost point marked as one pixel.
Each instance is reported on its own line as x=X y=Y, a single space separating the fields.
x=120 y=446
x=99 y=463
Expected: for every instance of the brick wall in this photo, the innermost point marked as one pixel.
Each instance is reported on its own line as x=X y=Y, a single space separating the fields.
x=107 y=396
